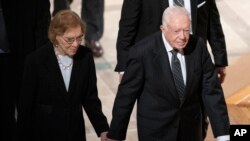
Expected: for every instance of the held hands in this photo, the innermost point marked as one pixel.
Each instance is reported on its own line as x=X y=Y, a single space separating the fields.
x=104 y=136
x=221 y=73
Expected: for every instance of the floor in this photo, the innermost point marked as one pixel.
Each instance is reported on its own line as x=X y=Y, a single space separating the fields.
x=236 y=24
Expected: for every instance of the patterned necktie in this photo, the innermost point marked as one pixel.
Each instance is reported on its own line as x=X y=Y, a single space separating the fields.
x=179 y=3
x=177 y=74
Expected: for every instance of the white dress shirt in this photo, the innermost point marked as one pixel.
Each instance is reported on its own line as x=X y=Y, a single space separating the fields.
x=180 y=56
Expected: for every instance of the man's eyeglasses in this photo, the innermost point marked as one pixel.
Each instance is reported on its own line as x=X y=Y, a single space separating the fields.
x=71 y=40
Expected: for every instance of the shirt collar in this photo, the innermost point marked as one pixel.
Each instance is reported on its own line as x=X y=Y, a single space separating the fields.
x=166 y=44
x=168 y=47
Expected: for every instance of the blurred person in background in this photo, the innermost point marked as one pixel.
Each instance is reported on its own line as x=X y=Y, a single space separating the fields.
x=93 y=13
x=60 y=5
x=27 y=25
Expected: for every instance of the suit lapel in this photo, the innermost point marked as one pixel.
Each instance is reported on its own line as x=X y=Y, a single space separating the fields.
x=73 y=78
x=162 y=62
x=190 y=62
x=54 y=70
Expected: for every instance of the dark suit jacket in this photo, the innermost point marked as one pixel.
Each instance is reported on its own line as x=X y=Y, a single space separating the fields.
x=140 y=18
x=47 y=111
x=160 y=114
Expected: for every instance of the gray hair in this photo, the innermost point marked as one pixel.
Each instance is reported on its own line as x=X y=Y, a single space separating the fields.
x=170 y=12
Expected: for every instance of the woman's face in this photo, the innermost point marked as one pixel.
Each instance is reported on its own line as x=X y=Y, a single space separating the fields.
x=69 y=42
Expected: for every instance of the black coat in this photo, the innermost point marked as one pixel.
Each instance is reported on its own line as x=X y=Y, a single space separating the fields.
x=140 y=18
x=160 y=114
x=47 y=111
x=27 y=23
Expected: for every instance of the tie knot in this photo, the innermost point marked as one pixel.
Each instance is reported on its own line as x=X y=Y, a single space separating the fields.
x=174 y=52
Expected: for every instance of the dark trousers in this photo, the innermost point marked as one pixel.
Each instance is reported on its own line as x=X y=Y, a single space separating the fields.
x=9 y=88
x=60 y=5
x=92 y=12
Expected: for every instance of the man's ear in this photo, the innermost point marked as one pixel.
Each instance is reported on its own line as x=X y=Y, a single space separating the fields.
x=162 y=27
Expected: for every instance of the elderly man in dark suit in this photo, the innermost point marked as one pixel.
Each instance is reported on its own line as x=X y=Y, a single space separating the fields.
x=140 y=18
x=169 y=105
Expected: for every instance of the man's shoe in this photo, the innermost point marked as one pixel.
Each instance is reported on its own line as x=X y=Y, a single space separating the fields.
x=96 y=48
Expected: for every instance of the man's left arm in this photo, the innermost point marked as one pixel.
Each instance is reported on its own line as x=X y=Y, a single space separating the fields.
x=213 y=96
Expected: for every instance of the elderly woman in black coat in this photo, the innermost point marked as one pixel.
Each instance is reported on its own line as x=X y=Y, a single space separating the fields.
x=59 y=80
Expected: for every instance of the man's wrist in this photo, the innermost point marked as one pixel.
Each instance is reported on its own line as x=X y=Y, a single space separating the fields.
x=223 y=138
x=121 y=72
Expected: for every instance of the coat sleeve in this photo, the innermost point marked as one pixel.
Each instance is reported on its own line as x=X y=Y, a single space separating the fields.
x=213 y=96
x=129 y=90
x=216 y=37
x=128 y=28
x=92 y=104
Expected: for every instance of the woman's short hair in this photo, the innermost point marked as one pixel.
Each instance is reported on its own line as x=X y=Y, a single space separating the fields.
x=62 y=21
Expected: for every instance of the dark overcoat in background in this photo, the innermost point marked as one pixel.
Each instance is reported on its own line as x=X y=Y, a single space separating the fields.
x=140 y=18
x=27 y=24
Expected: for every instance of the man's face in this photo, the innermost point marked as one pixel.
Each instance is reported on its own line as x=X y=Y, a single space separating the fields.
x=177 y=31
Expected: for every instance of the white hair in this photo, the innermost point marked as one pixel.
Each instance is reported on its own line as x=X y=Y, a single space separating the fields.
x=171 y=12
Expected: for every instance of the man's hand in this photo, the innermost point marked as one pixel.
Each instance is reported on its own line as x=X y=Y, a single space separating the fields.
x=221 y=73
x=104 y=136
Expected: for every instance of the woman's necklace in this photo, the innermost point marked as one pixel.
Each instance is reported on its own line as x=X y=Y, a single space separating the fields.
x=60 y=62
x=65 y=67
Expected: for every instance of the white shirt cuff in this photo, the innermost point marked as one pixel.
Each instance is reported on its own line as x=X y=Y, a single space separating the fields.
x=223 y=138
x=122 y=72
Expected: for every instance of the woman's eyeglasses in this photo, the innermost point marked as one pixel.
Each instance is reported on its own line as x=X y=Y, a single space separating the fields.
x=71 y=40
